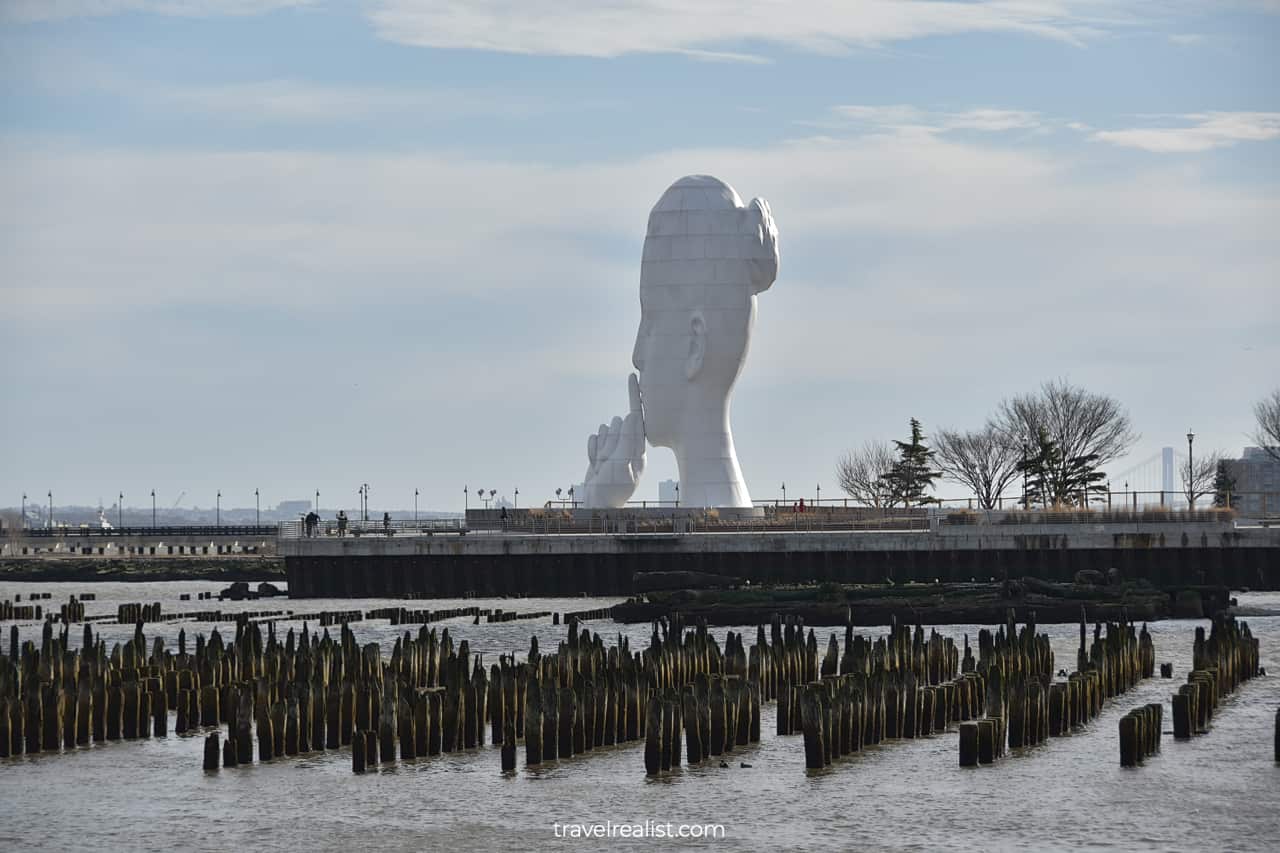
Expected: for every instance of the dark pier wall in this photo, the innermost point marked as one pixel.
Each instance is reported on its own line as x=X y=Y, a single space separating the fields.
x=549 y=574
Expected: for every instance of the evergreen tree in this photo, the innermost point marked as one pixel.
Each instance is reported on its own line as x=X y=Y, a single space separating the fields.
x=1223 y=486
x=912 y=475
x=1081 y=479
x=1052 y=480
x=1036 y=467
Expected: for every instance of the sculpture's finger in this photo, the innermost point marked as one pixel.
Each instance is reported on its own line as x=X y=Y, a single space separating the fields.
x=633 y=391
x=611 y=440
x=631 y=445
x=602 y=440
x=591 y=451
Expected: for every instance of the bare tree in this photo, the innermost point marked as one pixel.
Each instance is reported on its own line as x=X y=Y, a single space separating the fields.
x=983 y=460
x=1267 y=433
x=1087 y=429
x=861 y=473
x=1198 y=476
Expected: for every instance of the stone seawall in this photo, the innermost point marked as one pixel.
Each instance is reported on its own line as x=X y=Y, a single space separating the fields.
x=1167 y=555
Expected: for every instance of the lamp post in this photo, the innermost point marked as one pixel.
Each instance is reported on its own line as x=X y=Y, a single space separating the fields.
x=1025 y=505
x=677 y=494
x=218 y=516
x=1191 y=472
x=784 y=493
x=415 y=505
x=558 y=500
x=24 y=511
x=572 y=503
x=51 y=509
x=153 y=507
x=516 y=505
x=366 y=501
x=465 y=498
x=818 y=500
x=257 y=508
x=120 y=510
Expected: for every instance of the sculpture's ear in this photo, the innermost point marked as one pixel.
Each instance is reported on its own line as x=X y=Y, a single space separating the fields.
x=697 y=345
x=764 y=239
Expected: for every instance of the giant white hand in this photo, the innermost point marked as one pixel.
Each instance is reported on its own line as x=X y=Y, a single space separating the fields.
x=615 y=456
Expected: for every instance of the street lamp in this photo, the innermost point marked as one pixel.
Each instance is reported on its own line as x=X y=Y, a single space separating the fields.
x=465 y=505
x=120 y=510
x=677 y=494
x=24 y=511
x=818 y=500
x=415 y=505
x=572 y=504
x=51 y=509
x=153 y=507
x=517 y=499
x=366 y=501
x=1191 y=472
x=257 y=509
x=219 y=510
x=784 y=493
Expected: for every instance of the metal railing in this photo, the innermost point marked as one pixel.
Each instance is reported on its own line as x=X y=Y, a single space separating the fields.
x=356 y=528
x=248 y=530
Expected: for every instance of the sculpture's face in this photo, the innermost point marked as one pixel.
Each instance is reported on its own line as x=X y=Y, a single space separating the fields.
x=705 y=258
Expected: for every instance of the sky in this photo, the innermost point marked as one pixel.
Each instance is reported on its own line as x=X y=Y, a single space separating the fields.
x=301 y=246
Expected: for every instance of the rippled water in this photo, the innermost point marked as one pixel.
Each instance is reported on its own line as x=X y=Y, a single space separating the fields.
x=1218 y=791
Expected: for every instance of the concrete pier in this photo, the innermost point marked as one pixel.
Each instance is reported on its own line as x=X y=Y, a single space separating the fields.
x=604 y=563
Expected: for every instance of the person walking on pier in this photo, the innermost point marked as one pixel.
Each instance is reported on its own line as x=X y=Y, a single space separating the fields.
x=342 y=522
x=386 y=523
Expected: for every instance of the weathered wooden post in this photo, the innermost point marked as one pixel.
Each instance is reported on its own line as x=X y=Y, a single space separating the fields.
x=653 y=736
x=533 y=723
x=968 y=744
x=987 y=730
x=567 y=712
x=357 y=753
x=716 y=702
x=212 y=752
x=1130 y=740
x=509 y=745
x=1183 y=717
x=811 y=723
x=435 y=725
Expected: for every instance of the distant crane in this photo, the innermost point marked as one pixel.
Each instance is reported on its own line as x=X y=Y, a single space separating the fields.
x=181 y=495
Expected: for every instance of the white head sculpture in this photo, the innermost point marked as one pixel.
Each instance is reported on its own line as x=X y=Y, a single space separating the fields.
x=706 y=256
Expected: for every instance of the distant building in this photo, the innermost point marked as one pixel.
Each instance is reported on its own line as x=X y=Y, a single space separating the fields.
x=668 y=491
x=1257 y=477
x=289 y=509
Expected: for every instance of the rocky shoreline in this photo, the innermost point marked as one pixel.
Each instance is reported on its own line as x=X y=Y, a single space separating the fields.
x=967 y=603
x=224 y=568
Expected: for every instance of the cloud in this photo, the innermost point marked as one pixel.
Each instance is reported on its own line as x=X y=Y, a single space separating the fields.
x=87 y=227
x=1186 y=38
x=590 y=28
x=907 y=118
x=1206 y=131
x=53 y=10
x=441 y=297
x=300 y=101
